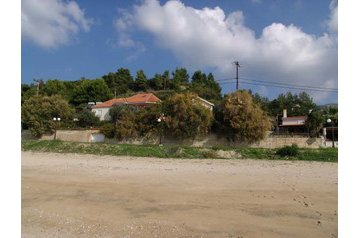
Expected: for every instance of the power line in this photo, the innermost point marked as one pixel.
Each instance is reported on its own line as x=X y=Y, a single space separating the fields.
x=279 y=83
x=282 y=85
x=278 y=86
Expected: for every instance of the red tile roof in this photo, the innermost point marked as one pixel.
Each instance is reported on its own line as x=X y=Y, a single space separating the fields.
x=140 y=98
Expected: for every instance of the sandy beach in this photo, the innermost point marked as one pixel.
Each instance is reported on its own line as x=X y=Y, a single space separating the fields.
x=73 y=195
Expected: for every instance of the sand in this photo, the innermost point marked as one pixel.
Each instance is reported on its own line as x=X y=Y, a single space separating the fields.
x=72 y=195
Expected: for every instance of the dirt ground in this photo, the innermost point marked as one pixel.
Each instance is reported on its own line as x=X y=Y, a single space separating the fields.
x=72 y=195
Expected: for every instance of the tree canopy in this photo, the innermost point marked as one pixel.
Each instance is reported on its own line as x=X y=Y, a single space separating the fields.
x=205 y=86
x=186 y=117
x=243 y=119
x=88 y=90
x=37 y=113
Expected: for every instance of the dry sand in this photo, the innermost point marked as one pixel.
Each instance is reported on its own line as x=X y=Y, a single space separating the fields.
x=72 y=195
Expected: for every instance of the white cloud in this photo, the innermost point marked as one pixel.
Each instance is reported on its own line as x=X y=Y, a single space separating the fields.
x=332 y=23
x=209 y=38
x=50 y=23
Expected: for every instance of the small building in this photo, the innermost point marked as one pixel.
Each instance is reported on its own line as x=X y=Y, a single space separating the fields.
x=206 y=104
x=139 y=100
x=295 y=124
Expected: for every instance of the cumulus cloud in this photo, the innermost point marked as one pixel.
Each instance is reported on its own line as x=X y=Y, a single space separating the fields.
x=51 y=23
x=124 y=26
x=332 y=23
x=209 y=38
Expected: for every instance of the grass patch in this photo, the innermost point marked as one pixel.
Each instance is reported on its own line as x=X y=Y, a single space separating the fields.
x=184 y=152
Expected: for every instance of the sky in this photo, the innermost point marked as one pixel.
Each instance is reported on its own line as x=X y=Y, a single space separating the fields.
x=288 y=42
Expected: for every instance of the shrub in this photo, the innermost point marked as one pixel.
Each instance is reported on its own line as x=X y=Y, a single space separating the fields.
x=87 y=119
x=288 y=151
x=37 y=114
x=186 y=117
x=147 y=121
x=241 y=118
x=124 y=119
x=108 y=130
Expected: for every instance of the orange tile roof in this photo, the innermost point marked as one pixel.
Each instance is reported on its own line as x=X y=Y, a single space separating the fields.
x=140 y=98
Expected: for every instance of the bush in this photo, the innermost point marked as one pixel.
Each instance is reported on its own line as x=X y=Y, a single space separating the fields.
x=241 y=118
x=186 y=117
x=37 y=114
x=108 y=130
x=87 y=119
x=288 y=151
x=147 y=121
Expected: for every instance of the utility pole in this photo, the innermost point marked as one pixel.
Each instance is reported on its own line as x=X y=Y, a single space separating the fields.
x=237 y=64
x=38 y=81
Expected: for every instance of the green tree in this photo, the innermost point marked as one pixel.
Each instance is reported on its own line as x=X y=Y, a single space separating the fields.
x=296 y=105
x=147 y=120
x=260 y=100
x=186 y=117
x=87 y=118
x=56 y=87
x=242 y=119
x=156 y=83
x=206 y=86
x=119 y=82
x=180 y=79
x=124 y=119
x=27 y=91
x=166 y=80
x=37 y=113
x=314 y=123
x=141 y=82
x=88 y=90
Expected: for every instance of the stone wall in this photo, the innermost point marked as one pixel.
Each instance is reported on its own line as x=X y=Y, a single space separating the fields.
x=271 y=140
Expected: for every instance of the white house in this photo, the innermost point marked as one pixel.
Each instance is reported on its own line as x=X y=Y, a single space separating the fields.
x=206 y=103
x=138 y=100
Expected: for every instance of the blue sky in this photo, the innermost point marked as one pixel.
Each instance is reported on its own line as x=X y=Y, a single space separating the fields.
x=291 y=42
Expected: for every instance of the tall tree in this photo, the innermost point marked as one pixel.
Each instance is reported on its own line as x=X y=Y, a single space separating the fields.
x=296 y=105
x=180 y=79
x=206 y=86
x=314 y=123
x=119 y=82
x=156 y=83
x=141 y=82
x=88 y=90
x=56 y=87
x=166 y=80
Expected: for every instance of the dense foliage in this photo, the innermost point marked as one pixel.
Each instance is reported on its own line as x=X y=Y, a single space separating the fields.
x=242 y=119
x=241 y=115
x=314 y=123
x=37 y=114
x=186 y=117
x=87 y=118
x=288 y=151
x=87 y=90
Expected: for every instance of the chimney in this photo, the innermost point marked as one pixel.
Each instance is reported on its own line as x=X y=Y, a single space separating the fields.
x=284 y=113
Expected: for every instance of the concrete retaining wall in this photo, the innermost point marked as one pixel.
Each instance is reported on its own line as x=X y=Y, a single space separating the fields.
x=271 y=141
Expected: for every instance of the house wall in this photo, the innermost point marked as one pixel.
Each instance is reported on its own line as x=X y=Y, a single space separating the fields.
x=288 y=121
x=102 y=113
